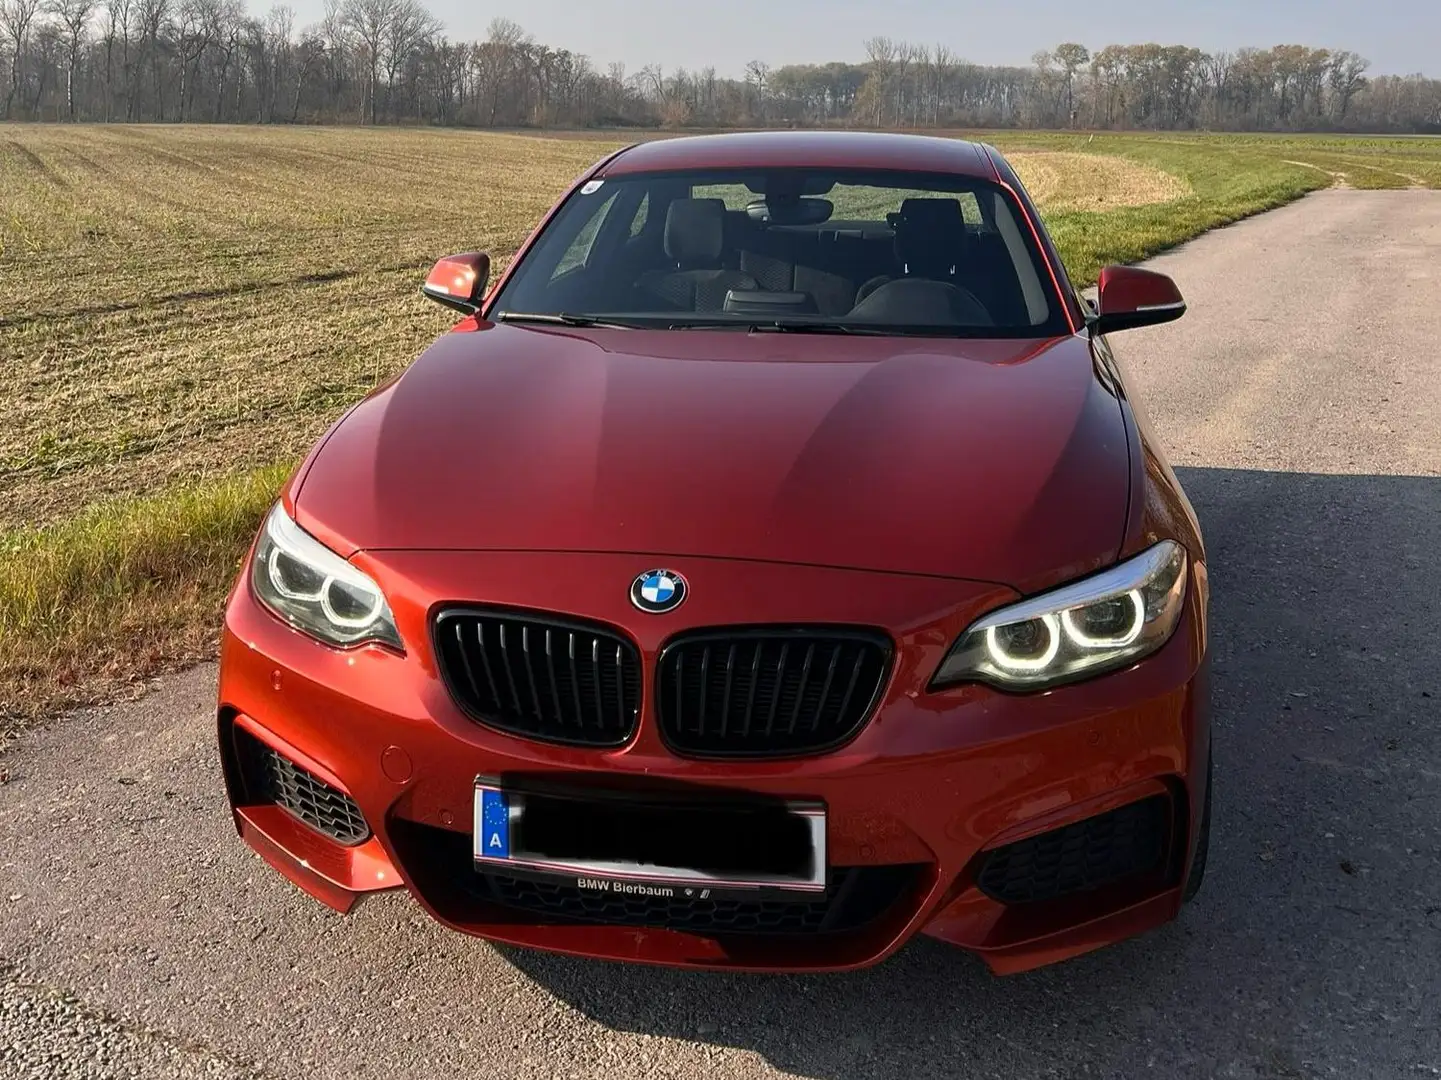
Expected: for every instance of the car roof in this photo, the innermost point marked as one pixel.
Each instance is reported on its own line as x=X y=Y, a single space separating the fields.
x=814 y=149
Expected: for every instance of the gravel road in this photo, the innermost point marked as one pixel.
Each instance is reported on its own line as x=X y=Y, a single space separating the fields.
x=1301 y=402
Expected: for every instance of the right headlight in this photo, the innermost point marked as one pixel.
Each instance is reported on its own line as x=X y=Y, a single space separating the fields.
x=1099 y=624
x=315 y=590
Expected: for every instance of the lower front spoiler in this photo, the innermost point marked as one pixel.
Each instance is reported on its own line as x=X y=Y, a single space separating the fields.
x=335 y=874
x=435 y=864
x=282 y=843
x=1052 y=948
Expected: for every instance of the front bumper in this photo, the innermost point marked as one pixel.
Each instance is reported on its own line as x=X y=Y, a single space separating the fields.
x=930 y=786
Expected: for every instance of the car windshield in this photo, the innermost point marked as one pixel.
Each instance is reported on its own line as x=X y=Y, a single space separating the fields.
x=789 y=249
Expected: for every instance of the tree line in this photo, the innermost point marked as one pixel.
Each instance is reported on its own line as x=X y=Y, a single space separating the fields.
x=391 y=62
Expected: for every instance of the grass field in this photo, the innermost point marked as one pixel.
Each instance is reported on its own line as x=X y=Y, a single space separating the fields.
x=183 y=310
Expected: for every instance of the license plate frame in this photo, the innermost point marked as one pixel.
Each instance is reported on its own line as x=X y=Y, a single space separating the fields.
x=497 y=846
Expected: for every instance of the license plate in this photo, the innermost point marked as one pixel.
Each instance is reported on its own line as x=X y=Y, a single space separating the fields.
x=644 y=846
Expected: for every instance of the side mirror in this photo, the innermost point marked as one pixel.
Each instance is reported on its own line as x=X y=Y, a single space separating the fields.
x=458 y=281
x=1129 y=297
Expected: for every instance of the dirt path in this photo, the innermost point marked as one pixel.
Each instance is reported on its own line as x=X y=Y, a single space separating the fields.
x=1301 y=401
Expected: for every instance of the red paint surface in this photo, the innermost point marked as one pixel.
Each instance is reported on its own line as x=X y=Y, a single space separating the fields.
x=924 y=456
x=1128 y=288
x=803 y=149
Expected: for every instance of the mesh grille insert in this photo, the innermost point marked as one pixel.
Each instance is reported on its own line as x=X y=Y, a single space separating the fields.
x=440 y=864
x=277 y=779
x=1082 y=856
x=857 y=895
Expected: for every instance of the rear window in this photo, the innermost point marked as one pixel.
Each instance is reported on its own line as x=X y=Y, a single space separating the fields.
x=852 y=202
x=870 y=251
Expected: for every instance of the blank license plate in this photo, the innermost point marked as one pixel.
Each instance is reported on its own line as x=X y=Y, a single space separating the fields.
x=651 y=846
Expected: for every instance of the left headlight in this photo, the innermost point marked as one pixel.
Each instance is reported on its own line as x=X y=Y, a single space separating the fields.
x=315 y=590
x=1096 y=625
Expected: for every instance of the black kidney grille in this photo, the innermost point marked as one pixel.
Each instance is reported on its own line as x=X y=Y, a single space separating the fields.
x=856 y=896
x=311 y=799
x=548 y=680
x=1086 y=855
x=768 y=692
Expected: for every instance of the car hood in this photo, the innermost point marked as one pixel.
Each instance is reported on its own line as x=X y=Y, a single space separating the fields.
x=1002 y=461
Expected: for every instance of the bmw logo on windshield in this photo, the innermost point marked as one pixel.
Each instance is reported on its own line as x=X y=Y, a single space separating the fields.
x=658 y=591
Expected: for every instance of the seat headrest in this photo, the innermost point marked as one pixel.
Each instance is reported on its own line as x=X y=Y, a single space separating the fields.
x=931 y=235
x=937 y=213
x=695 y=230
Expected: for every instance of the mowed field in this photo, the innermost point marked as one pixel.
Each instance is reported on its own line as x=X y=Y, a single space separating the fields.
x=180 y=302
x=184 y=309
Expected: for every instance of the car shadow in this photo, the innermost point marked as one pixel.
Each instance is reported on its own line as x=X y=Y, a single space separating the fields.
x=1308 y=947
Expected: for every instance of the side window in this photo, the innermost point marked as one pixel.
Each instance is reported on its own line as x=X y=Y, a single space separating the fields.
x=970 y=208
x=579 y=249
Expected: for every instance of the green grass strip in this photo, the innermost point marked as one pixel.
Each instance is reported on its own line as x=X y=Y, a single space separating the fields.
x=81 y=570
x=125 y=590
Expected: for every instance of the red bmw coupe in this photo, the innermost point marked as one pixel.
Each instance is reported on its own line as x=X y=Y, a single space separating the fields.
x=772 y=566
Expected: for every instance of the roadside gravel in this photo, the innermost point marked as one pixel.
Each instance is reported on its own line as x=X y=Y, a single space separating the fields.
x=47 y=1034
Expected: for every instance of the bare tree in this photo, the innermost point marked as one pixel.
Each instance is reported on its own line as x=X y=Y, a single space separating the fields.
x=503 y=31
x=1072 y=58
x=309 y=54
x=278 y=29
x=758 y=74
x=117 y=21
x=408 y=27
x=1045 y=101
x=16 y=19
x=228 y=32
x=905 y=58
x=369 y=22
x=1216 y=73
x=154 y=16
x=74 y=17
x=943 y=68
x=881 y=53
x=1346 y=79
x=196 y=22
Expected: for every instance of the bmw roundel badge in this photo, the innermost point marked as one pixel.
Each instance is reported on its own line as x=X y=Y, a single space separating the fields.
x=658 y=591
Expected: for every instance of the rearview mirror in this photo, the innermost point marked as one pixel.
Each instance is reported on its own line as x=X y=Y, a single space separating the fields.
x=458 y=281
x=1129 y=297
x=778 y=211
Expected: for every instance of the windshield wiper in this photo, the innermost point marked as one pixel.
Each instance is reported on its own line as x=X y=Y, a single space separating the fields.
x=773 y=326
x=798 y=326
x=784 y=326
x=561 y=319
x=806 y=326
x=753 y=326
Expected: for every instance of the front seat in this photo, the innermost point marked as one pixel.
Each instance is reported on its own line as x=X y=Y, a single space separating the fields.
x=694 y=240
x=931 y=242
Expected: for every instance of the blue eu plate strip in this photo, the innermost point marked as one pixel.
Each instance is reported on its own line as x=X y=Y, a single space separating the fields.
x=495 y=825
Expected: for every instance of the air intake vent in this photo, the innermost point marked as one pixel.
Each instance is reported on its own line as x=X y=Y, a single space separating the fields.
x=1086 y=855
x=541 y=678
x=857 y=895
x=273 y=777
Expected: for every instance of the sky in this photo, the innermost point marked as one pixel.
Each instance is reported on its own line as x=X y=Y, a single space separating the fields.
x=1399 y=37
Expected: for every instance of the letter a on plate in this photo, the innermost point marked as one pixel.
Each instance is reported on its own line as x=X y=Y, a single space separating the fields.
x=495 y=823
